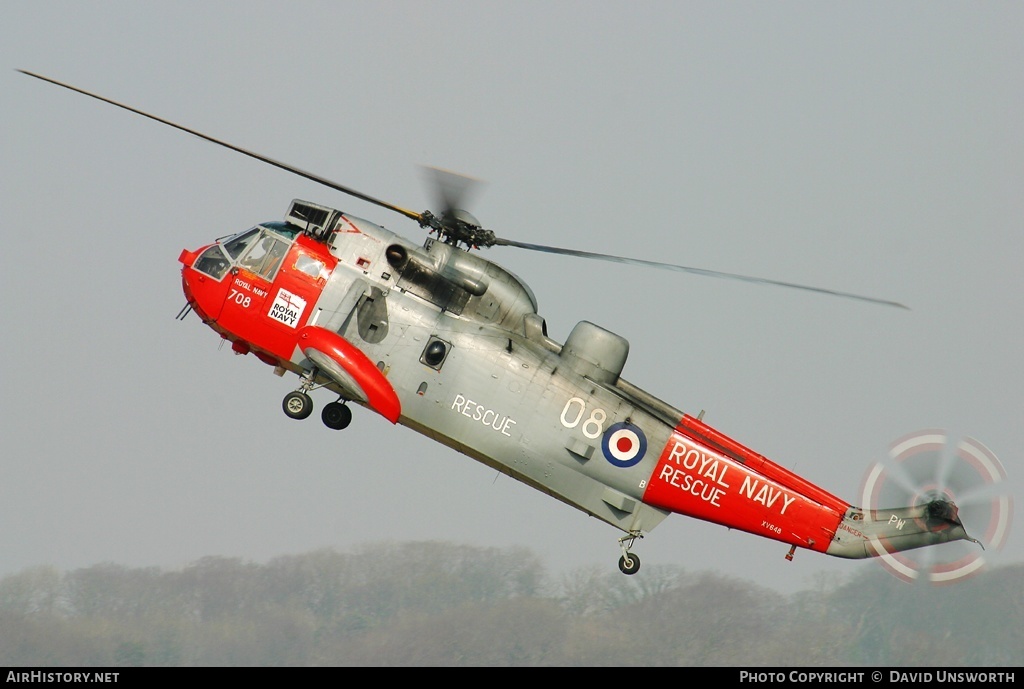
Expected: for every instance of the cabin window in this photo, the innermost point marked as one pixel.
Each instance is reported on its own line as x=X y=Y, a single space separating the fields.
x=309 y=265
x=435 y=353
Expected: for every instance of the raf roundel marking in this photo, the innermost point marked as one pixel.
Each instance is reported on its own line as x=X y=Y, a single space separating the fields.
x=624 y=445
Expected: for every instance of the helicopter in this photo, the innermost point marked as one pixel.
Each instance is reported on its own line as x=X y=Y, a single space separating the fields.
x=437 y=338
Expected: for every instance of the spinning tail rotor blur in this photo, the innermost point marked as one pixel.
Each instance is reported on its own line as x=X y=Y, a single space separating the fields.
x=929 y=465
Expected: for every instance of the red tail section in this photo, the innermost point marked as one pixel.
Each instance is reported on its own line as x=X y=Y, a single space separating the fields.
x=705 y=474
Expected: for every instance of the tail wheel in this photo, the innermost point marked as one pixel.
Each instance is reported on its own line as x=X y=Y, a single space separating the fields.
x=929 y=464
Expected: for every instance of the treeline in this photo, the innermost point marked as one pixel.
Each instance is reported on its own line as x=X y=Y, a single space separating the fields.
x=443 y=604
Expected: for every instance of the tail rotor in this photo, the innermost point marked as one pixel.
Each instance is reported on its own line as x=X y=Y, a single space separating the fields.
x=965 y=479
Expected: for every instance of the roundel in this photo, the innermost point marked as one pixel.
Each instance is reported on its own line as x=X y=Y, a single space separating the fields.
x=624 y=444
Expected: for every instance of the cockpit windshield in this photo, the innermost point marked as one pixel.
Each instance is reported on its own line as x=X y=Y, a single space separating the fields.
x=212 y=262
x=261 y=249
x=240 y=242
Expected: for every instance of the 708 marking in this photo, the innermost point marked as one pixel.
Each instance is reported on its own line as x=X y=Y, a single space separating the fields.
x=240 y=298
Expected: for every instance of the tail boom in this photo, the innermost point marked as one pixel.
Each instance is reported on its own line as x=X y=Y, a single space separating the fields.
x=705 y=474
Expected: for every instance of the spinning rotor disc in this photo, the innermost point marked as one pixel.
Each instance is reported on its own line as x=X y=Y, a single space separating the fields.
x=926 y=465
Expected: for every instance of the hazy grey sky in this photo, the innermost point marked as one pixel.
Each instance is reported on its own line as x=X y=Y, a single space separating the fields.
x=870 y=147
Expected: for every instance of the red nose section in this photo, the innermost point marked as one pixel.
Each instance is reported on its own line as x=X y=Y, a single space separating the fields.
x=203 y=293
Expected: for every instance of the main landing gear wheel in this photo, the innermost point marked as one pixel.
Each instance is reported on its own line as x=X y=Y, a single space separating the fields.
x=629 y=564
x=336 y=415
x=297 y=405
x=926 y=465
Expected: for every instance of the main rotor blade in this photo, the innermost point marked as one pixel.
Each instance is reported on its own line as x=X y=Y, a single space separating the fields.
x=426 y=219
x=284 y=166
x=686 y=269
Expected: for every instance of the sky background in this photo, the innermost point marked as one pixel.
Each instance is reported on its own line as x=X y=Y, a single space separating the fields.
x=869 y=147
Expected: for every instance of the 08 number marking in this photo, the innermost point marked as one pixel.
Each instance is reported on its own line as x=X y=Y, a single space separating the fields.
x=572 y=414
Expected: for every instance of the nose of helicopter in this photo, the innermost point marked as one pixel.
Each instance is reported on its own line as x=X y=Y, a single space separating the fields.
x=203 y=290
